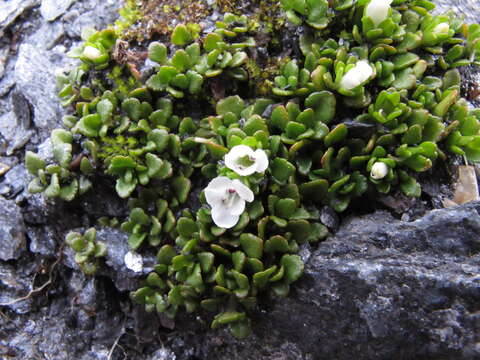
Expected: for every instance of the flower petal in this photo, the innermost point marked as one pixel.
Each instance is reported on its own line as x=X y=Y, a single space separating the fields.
x=220 y=182
x=237 y=205
x=357 y=75
x=261 y=160
x=214 y=197
x=233 y=157
x=243 y=191
x=223 y=218
x=216 y=190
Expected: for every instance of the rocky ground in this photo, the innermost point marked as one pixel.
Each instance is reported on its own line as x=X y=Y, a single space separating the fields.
x=398 y=283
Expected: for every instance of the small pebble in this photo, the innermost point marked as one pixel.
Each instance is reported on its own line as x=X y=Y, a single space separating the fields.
x=133 y=261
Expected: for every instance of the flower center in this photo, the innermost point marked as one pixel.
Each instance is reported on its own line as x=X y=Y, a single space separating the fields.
x=245 y=161
x=229 y=197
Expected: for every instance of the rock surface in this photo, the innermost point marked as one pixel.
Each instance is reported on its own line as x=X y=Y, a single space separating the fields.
x=12 y=230
x=380 y=288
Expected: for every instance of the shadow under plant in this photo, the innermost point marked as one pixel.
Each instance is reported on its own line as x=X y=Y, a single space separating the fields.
x=396 y=290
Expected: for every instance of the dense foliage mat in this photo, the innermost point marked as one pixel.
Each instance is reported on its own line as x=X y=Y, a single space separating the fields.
x=225 y=157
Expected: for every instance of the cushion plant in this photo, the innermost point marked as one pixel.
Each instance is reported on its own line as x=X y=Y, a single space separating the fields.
x=226 y=186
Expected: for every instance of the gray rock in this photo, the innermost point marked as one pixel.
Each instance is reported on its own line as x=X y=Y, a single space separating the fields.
x=10 y=10
x=466 y=8
x=379 y=289
x=42 y=240
x=90 y=14
x=15 y=282
x=162 y=354
x=117 y=245
x=14 y=136
x=12 y=230
x=329 y=218
x=52 y=9
x=3 y=60
x=48 y=35
x=16 y=180
x=34 y=74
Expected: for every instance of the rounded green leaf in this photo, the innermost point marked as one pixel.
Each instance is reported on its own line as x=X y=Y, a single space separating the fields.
x=293 y=265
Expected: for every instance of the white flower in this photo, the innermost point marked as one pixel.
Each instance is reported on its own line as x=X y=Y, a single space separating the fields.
x=91 y=53
x=442 y=28
x=379 y=170
x=377 y=10
x=357 y=75
x=133 y=261
x=227 y=199
x=244 y=161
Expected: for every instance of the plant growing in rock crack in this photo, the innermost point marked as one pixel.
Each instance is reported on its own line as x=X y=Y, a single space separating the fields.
x=226 y=186
x=87 y=249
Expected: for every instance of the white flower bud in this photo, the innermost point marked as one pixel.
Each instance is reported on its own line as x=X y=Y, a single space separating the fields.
x=377 y=10
x=91 y=53
x=357 y=75
x=379 y=170
x=442 y=28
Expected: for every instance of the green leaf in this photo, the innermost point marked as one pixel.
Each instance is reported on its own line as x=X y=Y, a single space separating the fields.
x=293 y=265
x=316 y=190
x=233 y=104
x=195 y=278
x=238 y=259
x=252 y=245
x=157 y=52
x=206 y=260
x=135 y=240
x=186 y=227
x=279 y=117
x=405 y=60
x=180 y=60
x=154 y=164
x=285 y=208
x=69 y=192
x=260 y=279
x=241 y=329
x=181 y=35
x=227 y=318
x=34 y=163
x=53 y=190
x=124 y=189
x=160 y=138
x=105 y=110
x=181 y=186
x=120 y=163
x=324 y=104
x=132 y=108
x=411 y=187
x=166 y=254
x=282 y=169
x=277 y=243
x=338 y=134
x=413 y=135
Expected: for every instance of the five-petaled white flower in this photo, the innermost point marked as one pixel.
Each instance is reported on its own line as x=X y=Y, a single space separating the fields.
x=357 y=75
x=227 y=198
x=379 y=170
x=245 y=161
x=91 y=53
x=377 y=10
